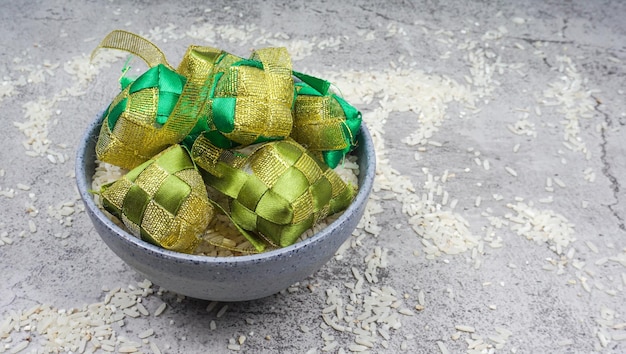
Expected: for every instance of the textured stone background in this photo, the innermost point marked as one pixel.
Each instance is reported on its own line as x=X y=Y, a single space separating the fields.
x=568 y=302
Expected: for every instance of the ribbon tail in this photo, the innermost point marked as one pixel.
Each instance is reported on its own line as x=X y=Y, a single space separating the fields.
x=258 y=245
x=134 y=44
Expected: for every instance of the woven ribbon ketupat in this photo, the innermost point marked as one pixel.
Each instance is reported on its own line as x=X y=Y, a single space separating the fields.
x=324 y=122
x=277 y=192
x=138 y=114
x=251 y=100
x=163 y=201
x=211 y=104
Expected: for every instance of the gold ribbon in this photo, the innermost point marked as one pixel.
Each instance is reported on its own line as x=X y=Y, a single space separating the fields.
x=134 y=44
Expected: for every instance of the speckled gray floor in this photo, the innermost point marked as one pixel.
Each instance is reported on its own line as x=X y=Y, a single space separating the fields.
x=505 y=82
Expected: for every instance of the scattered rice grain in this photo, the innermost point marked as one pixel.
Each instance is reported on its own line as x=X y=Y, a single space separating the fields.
x=32 y=227
x=19 y=347
x=145 y=334
x=160 y=309
x=442 y=348
x=222 y=311
x=155 y=349
x=511 y=171
x=357 y=348
x=559 y=182
x=464 y=328
x=592 y=247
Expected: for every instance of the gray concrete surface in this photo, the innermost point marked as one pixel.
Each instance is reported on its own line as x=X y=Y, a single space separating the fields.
x=429 y=61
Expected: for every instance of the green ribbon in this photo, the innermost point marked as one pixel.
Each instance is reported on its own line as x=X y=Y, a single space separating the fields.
x=169 y=84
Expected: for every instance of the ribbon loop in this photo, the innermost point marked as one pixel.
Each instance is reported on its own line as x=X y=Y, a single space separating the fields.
x=134 y=44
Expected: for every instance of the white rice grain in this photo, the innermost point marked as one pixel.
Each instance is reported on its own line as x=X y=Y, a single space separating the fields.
x=442 y=348
x=465 y=328
x=234 y=347
x=592 y=247
x=19 y=347
x=511 y=171
x=357 y=348
x=145 y=334
x=368 y=342
x=160 y=309
x=565 y=342
x=155 y=349
x=604 y=341
x=559 y=182
x=330 y=346
x=211 y=306
x=222 y=311
x=406 y=312
x=421 y=298
x=142 y=309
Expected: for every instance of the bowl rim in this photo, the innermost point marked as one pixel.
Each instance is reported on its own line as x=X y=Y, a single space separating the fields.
x=83 y=189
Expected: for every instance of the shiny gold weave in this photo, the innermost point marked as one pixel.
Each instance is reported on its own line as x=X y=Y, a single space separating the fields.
x=118 y=144
x=164 y=201
x=206 y=156
x=317 y=124
x=252 y=99
x=136 y=137
x=280 y=191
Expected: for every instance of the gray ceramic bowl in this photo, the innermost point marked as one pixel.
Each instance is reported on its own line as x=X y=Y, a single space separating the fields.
x=225 y=278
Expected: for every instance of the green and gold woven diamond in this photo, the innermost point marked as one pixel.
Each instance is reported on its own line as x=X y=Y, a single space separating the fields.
x=251 y=99
x=131 y=129
x=324 y=123
x=280 y=191
x=162 y=201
